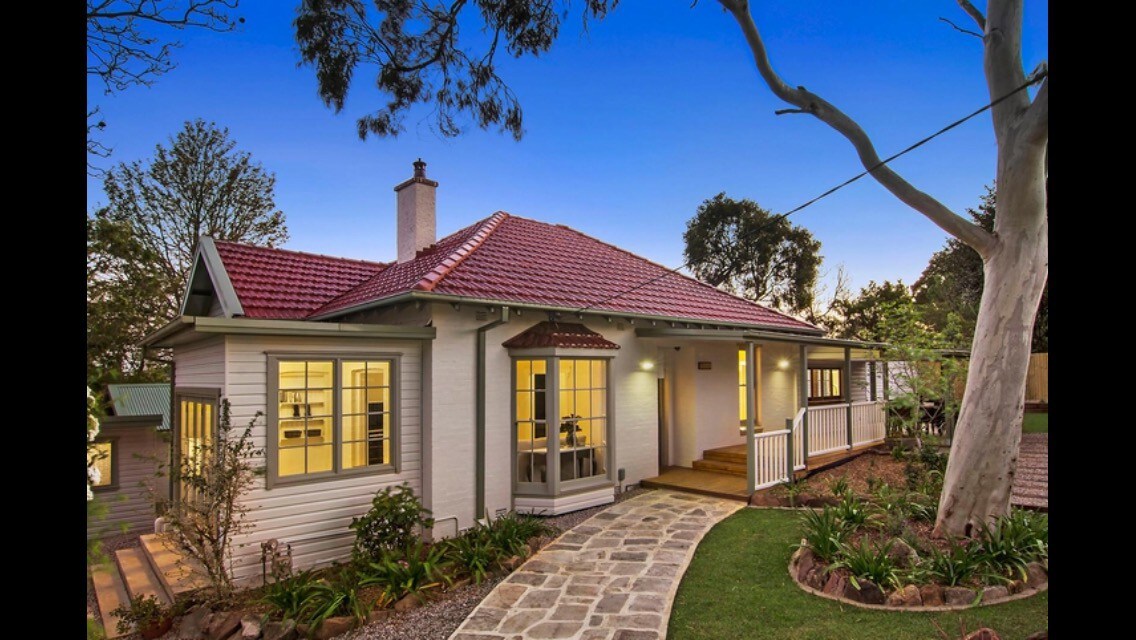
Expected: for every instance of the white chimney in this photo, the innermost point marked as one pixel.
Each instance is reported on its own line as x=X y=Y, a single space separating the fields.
x=416 y=213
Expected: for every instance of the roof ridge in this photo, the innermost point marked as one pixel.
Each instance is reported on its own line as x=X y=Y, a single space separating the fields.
x=451 y=262
x=670 y=270
x=384 y=265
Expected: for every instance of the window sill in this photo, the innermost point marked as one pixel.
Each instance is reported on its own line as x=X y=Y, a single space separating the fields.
x=330 y=476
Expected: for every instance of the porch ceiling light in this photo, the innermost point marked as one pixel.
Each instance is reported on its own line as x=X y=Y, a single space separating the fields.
x=783 y=364
x=647 y=365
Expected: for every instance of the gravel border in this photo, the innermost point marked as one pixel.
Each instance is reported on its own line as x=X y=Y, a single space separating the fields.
x=440 y=618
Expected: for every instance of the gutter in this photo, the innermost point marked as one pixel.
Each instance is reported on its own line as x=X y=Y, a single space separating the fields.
x=252 y=326
x=479 y=446
x=608 y=313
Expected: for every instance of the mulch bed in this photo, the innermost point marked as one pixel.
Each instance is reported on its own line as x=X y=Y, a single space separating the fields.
x=873 y=463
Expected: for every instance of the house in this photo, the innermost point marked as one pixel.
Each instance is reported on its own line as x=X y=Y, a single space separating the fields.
x=513 y=364
x=132 y=442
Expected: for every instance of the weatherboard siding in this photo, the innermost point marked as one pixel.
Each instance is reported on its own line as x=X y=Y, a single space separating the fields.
x=200 y=364
x=130 y=507
x=314 y=517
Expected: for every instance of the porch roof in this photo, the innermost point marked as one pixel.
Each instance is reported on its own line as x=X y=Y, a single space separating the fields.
x=861 y=349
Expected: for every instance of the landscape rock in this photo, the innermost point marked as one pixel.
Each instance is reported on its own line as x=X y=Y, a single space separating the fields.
x=193 y=624
x=512 y=563
x=817 y=502
x=932 y=595
x=224 y=624
x=334 y=627
x=868 y=592
x=285 y=630
x=1040 y=635
x=905 y=597
x=903 y=554
x=1037 y=574
x=834 y=586
x=408 y=602
x=805 y=563
x=958 y=596
x=985 y=633
x=816 y=578
x=250 y=627
x=378 y=614
x=765 y=499
x=995 y=594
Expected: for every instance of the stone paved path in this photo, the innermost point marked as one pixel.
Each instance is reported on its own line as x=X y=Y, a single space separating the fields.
x=613 y=577
x=1031 y=482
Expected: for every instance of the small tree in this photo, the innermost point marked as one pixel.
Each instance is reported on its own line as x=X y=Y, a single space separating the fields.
x=919 y=368
x=209 y=513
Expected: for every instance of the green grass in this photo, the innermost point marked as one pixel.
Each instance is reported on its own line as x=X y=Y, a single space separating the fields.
x=738 y=586
x=1036 y=423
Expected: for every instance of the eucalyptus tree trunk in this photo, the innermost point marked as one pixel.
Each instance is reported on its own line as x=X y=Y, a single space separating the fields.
x=984 y=450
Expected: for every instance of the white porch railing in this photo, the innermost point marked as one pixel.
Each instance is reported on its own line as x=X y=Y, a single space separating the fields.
x=867 y=422
x=827 y=432
x=828 y=426
x=771 y=458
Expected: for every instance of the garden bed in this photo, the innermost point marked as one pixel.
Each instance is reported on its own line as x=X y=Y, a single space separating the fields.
x=871 y=543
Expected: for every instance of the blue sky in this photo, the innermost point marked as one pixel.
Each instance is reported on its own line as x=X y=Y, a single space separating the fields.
x=629 y=127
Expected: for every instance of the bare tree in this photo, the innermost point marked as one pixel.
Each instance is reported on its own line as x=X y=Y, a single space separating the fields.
x=124 y=48
x=984 y=452
x=828 y=298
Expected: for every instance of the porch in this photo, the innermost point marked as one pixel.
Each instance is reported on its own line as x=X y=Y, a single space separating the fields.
x=825 y=435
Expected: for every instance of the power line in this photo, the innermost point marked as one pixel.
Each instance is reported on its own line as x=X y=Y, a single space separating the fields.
x=782 y=216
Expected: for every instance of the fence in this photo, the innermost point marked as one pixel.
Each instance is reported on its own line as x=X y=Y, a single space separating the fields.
x=1037 y=379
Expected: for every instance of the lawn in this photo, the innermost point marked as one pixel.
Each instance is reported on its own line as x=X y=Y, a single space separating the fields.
x=738 y=586
x=1036 y=423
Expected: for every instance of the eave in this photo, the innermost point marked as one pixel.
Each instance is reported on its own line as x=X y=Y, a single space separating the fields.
x=185 y=327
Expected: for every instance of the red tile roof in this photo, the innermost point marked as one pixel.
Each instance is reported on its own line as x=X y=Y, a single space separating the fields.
x=565 y=335
x=281 y=284
x=505 y=258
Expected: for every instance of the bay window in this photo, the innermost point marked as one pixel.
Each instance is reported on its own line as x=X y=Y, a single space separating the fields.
x=330 y=416
x=561 y=411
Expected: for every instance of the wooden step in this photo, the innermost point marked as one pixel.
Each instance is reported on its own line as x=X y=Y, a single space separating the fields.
x=732 y=454
x=718 y=466
x=139 y=576
x=177 y=575
x=110 y=593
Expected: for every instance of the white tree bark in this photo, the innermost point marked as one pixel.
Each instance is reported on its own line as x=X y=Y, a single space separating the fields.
x=984 y=452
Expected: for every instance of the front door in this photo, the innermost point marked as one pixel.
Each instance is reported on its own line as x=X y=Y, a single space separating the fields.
x=195 y=438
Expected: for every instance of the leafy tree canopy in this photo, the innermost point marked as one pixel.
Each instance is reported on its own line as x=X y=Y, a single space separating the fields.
x=744 y=249
x=421 y=57
x=950 y=288
x=865 y=316
x=141 y=244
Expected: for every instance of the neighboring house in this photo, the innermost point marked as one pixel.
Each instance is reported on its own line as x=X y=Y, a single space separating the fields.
x=513 y=364
x=133 y=440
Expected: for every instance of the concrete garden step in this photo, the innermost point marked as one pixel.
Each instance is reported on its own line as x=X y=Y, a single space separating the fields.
x=139 y=575
x=178 y=575
x=110 y=593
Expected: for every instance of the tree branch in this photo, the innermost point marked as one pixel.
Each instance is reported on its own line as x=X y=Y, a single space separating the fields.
x=954 y=224
x=958 y=28
x=973 y=12
x=1034 y=125
x=1002 y=60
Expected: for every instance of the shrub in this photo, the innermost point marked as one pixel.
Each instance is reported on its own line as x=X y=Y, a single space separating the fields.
x=1013 y=541
x=415 y=570
x=865 y=561
x=921 y=508
x=474 y=553
x=959 y=563
x=141 y=613
x=825 y=532
x=932 y=460
x=511 y=532
x=391 y=523
x=336 y=597
x=291 y=597
x=839 y=487
x=217 y=477
x=853 y=512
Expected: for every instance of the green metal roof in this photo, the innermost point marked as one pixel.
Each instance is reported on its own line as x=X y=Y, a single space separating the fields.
x=150 y=399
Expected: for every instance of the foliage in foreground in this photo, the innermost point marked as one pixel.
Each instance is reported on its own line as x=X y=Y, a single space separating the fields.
x=392 y=523
x=211 y=513
x=140 y=612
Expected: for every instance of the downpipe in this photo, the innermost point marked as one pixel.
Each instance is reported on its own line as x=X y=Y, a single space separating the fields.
x=479 y=445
